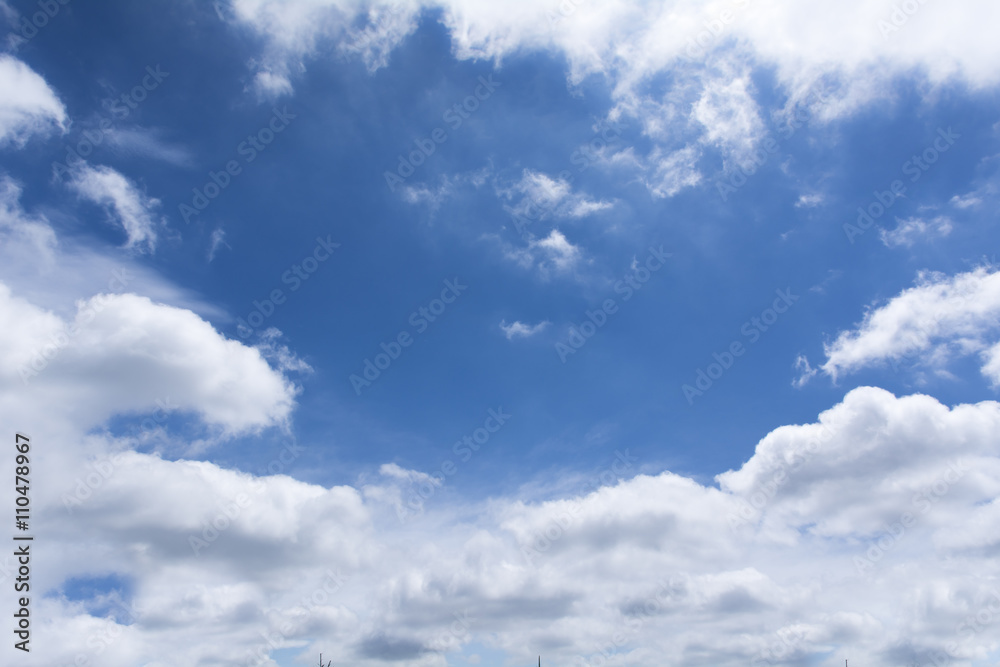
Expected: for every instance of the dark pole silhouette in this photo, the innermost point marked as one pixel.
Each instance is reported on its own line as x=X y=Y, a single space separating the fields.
x=321 y=661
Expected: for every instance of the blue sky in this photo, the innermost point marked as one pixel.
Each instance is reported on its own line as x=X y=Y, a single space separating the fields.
x=602 y=258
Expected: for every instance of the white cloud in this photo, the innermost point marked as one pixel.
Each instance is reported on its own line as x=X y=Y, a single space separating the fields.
x=293 y=30
x=840 y=48
x=909 y=231
x=968 y=200
x=672 y=172
x=809 y=201
x=395 y=471
x=271 y=86
x=729 y=115
x=806 y=372
x=559 y=251
x=448 y=186
x=416 y=194
x=279 y=355
x=385 y=27
x=54 y=272
x=217 y=240
x=148 y=143
x=542 y=197
x=991 y=368
x=939 y=318
x=27 y=104
x=87 y=338
x=133 y=209
x=122 y=352
x=785 y=552
x=551 y=254
x=33 y=234
x=518 y=329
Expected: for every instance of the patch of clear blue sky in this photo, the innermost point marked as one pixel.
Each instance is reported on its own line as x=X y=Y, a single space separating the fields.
x=324 y=176
x=94 y=592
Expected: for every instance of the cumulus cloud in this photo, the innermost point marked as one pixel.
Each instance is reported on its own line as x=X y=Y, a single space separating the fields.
x=89 y=337
x=798 y=552
x=518 y=329
x=123 y=352
x=130 y=207
x=28 y=106
x=941 y=317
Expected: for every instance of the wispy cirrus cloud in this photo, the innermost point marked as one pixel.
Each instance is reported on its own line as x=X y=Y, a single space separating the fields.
x=912 y=230
x=538 y=196
x=126 y=204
